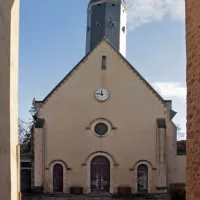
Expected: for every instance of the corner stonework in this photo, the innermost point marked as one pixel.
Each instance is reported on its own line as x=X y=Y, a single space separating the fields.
x=161 y=156
x=39 y=154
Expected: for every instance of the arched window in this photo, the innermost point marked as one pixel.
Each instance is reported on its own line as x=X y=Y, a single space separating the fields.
x=142 y=178
x=58 y=178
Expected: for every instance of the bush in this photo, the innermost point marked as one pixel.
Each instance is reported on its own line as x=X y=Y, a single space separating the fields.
x=177 y=191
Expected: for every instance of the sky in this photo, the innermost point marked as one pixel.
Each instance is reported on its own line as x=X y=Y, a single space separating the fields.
x=52 y=42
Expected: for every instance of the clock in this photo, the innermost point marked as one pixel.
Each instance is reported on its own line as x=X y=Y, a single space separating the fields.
x=102 y=94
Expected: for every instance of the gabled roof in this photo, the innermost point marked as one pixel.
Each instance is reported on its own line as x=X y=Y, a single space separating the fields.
x=82 y=60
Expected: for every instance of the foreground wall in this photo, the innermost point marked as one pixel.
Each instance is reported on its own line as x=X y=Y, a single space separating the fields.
x=9 y=26
x=193 y=94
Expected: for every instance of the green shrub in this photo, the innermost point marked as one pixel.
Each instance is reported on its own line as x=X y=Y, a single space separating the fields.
x=177 y=191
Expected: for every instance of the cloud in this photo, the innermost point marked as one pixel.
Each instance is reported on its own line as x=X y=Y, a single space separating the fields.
x=141 y=12
x=171 y=90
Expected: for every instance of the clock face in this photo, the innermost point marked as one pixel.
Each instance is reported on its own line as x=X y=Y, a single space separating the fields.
x=102 y=94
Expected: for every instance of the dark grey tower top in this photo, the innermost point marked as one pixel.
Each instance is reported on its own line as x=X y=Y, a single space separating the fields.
x=106 y=18
x=109 y=1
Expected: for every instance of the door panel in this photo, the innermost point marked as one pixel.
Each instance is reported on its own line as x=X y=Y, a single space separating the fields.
x=58 y=178
x=100 y=174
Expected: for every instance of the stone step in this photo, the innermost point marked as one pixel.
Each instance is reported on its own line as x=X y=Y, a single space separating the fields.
x=94 y=197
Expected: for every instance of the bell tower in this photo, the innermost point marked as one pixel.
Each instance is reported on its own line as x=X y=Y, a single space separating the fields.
x=106 y=18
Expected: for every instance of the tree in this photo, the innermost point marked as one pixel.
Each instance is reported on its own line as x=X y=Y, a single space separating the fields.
x=23 y=130
x=26 y=129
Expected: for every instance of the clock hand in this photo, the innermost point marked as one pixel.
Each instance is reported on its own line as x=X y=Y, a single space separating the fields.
x=101 y=92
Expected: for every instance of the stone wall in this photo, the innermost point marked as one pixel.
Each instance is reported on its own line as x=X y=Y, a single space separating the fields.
x=9 y=26
x=193 y=96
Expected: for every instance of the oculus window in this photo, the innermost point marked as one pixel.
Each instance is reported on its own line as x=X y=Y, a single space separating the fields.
x=101 y=129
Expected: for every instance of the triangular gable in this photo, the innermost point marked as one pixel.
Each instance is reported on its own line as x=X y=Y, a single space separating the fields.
x=125 y=60
x=65 y=78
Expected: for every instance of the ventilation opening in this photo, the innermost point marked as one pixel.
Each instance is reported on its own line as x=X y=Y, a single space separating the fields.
x=112 y=24
x=103 y=63
x=99 y=4
x=97 y=23
x=113 y=4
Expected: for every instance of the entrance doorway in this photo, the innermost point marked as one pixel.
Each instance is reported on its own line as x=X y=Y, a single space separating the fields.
x=100 y=174
x=58 y=178
x=142 y=175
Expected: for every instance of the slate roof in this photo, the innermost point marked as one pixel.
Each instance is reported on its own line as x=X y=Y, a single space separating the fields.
x=125 y=60
x=172 y=114
x=109 y=1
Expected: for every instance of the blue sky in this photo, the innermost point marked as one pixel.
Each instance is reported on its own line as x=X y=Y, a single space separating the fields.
x=52 y=42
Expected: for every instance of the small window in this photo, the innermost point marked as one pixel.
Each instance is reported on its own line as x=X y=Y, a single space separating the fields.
x=88 y=28
x=97 y=23
x=113 y=4
x=123 y=29
x=99 y=4
x=103 y=67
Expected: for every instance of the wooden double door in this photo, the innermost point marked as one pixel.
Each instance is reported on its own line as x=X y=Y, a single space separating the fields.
x=100 y=174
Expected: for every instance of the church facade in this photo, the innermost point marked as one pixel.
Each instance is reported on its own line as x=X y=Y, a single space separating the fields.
x=104 y=126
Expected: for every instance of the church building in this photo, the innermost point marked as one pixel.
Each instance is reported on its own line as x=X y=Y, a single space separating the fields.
x=104 y=126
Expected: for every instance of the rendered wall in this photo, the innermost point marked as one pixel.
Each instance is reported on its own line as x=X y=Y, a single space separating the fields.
x=9 y=27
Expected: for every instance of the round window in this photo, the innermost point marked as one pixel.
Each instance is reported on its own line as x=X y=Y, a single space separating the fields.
x=101 y=129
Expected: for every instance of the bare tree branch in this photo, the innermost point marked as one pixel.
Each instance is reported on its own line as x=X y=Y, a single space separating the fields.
x=180 y=134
